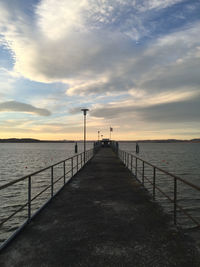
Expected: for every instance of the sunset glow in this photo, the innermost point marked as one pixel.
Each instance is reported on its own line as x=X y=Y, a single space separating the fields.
x=134 y=64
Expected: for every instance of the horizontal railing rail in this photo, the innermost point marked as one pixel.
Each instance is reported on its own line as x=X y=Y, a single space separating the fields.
x=143 y=174
x=67 y=168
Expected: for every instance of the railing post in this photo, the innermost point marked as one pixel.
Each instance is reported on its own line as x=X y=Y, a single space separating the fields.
x=29 y=198
x=131 y=163
x=154 y=182
x=128 y=160
x=51 y=181
x=64 y=173
x=175 y=200
x=77 y=163
x=136 y=167
x=72 y=166
x=143 y=172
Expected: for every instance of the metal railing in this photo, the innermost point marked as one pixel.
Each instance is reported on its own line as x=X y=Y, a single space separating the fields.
x=65 y=169
x=166 y=184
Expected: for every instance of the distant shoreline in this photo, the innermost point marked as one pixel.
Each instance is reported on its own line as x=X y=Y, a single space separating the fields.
x=31 y=140
x=196 y=140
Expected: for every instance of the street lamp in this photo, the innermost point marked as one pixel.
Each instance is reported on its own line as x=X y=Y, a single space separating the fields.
x=98 y=135
x=84 y=113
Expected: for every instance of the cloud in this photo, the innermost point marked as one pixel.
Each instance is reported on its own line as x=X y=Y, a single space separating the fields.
x=14 y=106
x=6 y=82
x=84 y=15
x=90 y=59
x=177 y=112
x=98 y=48
x=160 y=109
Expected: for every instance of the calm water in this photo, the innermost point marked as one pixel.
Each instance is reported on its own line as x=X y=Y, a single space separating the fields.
x=182 y=159
x=17 y=160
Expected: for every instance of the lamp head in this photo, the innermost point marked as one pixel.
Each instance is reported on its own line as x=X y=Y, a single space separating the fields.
x=84 y=111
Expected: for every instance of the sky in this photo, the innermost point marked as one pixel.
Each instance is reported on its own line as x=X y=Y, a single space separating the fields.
x=135 y=64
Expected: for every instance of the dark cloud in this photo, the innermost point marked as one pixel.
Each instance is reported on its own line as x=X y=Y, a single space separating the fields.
x=180 y=75
x=15 y=106
x=174 y=112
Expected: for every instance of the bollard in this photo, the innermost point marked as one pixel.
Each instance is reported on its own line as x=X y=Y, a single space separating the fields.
x=137 y=148
x=76 y=148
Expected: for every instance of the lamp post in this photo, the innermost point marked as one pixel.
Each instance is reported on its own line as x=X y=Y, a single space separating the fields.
x=84 y=113
x=98 y=135
x=111 y=130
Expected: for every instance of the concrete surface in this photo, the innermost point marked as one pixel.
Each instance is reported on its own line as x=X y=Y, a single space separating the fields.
x=103 y=217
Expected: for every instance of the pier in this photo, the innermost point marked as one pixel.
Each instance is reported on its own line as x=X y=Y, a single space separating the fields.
x=102 y=217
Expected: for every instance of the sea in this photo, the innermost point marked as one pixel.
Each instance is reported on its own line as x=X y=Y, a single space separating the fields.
x=21 y=159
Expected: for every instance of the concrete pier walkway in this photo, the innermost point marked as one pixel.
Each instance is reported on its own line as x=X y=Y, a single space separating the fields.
x=102 y=218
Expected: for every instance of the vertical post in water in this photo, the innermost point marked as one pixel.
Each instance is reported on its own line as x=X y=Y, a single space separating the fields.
x=51 y=181
x=175 y=200
x=77 y=163
x=143 y=172
x=154 y=183
x=29 y=198
x=84 y=115
x=64 y=173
